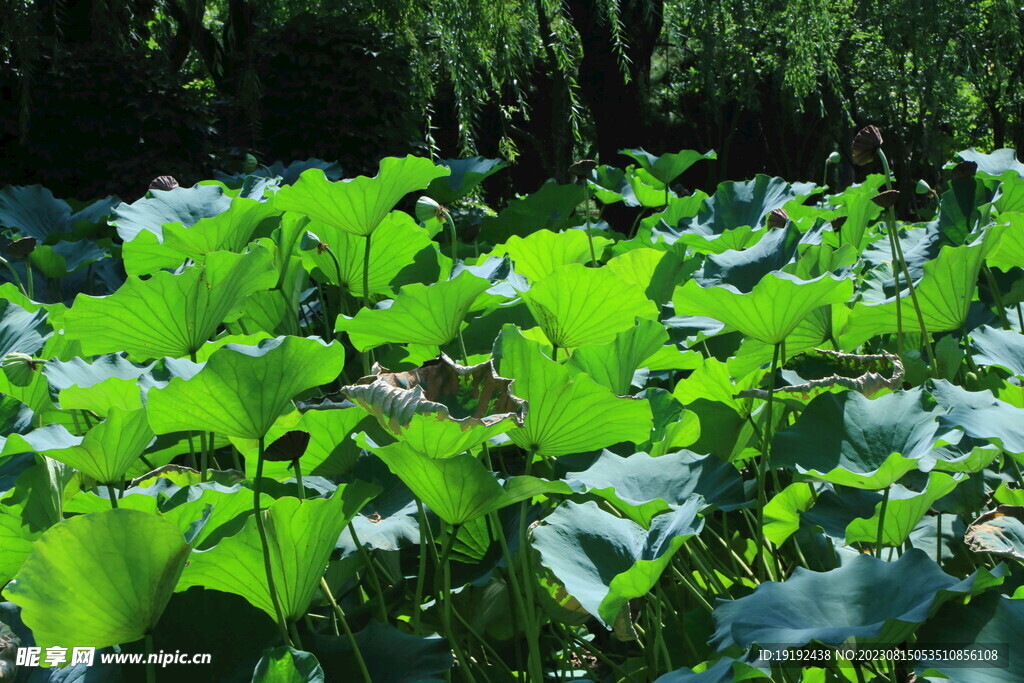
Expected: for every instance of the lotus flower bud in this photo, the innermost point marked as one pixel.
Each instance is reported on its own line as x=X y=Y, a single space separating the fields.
x=865 y=144
x=833 y=158
x=164 y=182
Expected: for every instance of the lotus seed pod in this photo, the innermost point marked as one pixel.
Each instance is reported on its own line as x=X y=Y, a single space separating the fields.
x=164 y=182
x=833 y=158
x=582 y=168
x=778 y=218
x=837 y=223
x=886 y=199
x=22 y=248
x=965 y=169
x=865 y=144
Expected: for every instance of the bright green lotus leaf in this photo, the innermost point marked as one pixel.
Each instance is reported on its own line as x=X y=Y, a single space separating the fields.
x=667 y=167
x=357 y=205
x=678 y=208
x=109 y=449
x=287 y=665
x=31 y=506
x=637 y=266
x=641 y=486
x=988 y=619
x=712 y=381
x=944 y=293
x=169 y=314
x=537 y=255
x=647 y=190
x=551 y=207
x=231 y=230
x=1008 y=253
x=604 y=560
x=867 y=599
x=999 y=531
x=771 y=310
x=725 y=670
x=242 y=389
x=420 y=314
x=855 y=441
x=980 y=415
x=33 y=211
x=466 y=175
x=782 y=512
x=100 y=579
x=301 y=536
x=186 y=206
x=903 y=510
x=395 y=245
x=612 y=365
x=856 y=205
x=576 y=305
x=63 y=258
x=565 y=413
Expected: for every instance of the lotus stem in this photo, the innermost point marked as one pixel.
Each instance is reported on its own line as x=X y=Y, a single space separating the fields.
x=445 y=595
x=113 y=496
x=454 y=235
x=422 y=571
x=997 y=295
x=881 y=521
x=265 y=543
x=366 y=273
x=14 y=276
x=586 y=213
x=300 y=489
x=150 y=665
x=340 y=615
x=374 y=579
x=764 y=463
x=532 y=630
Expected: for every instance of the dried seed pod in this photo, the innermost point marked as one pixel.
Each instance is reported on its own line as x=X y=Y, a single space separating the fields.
x=887 y=198
x=837 y=223
x=778 y=218
x=582 y=168
x=865 y=144
x=965 y=169
x=21 y=248
x=164 y=182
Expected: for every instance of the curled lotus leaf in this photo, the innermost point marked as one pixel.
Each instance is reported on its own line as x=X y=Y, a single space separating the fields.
x=470 y=396
x=999 y=531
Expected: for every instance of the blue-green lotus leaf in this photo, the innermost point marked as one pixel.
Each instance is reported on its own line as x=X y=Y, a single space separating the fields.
x=744 y=268
x=852 y=440
x=466 y=175
x=33 y=211
x=549 y=208
x=725 y=670
x=999 y=531
x=903 y=510
x=390 y=655
x=20 y=330
x=287 y=665
x=867 y=599
x=642 y=486
x=604 y=560
x=980 y=415
x=994 y=346
x=965 y=208
x=995 y=164
x=186 y=206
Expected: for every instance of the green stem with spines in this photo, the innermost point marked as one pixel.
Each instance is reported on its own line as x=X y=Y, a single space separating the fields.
x=265 y=544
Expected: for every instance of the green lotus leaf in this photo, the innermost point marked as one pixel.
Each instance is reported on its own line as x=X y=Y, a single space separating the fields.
x=679 y=208
x=357 y=205
x=725 y=670
x=420 y=314
x=647 y=190
x=604 y=560
x=395 y=245
x=608 y=185
x=108 y=450
x=168 y=314
x=637 y=267
x=712 y=381
x=867 y=599
x=944 y=293
x=855 y=441
x=565 y=413
x=458 y=489
x=287 y=665
x=242 y=390
x=22 y=331
x=186 y=206
x=537 y=255
x=30 y=507
x=642 y=487
x=782 y=512
x=33 y=211
x=424 y=659
x=965 y=208
x=903 y=510
x=551 y=207
x=100 y=579
x=466 y=175
x=980 y=415
x=993 y=346
x=301 y=536
x=231 y=230
x=667 y=167
x=441 y=408
x=575 y=305
x=743 y=269
x=612 y=365
x=999 y=531
x=995 y=164
x=771 y=310
x=1008 y=253
x=856 y=205
x=987 y=619
x=63 y=258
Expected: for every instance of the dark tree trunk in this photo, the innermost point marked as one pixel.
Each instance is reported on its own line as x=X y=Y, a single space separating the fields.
x=618 y=107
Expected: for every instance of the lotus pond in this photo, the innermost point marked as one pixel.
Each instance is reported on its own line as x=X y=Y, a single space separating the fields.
x=276 y=419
